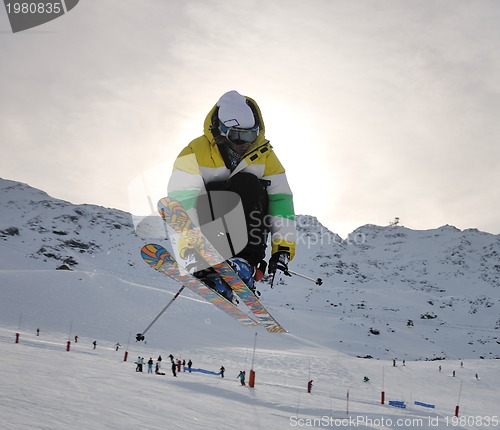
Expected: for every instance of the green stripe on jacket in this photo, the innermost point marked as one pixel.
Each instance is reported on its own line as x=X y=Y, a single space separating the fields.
x=281 y=205
x=187 y=198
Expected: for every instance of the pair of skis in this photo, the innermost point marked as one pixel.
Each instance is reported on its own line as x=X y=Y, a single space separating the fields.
x=161 y=260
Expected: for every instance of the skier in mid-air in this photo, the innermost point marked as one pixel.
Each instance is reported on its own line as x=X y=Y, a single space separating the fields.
x=234 y=155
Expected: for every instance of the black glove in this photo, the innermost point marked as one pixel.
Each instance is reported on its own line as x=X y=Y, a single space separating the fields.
x=278 y=261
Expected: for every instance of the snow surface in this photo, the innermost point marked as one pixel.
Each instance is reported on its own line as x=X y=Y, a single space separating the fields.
x=45 y=387
x=445 y=280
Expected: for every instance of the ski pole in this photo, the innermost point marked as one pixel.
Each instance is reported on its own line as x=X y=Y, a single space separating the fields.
x=140 y=336
x=317 y=281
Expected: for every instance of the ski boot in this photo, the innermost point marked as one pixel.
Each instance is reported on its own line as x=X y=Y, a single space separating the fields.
x=244 y=270
x=214 y=281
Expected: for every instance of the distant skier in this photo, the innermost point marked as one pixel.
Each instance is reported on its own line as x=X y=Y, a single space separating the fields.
x=183 y=365
x=221 y=371
x=309 y=386
x=241 y=375
x=76 y=339
x=150 y=365
x=190 y=364
x=117 y=346
x=38 y=332
x=174 y=368
x=233 y=155
x=95 y=344
x=140 y=363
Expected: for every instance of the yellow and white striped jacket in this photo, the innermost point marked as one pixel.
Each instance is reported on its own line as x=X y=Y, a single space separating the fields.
x=201 y=162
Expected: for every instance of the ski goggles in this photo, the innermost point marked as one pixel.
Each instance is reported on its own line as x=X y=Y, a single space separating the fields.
x=239 y=136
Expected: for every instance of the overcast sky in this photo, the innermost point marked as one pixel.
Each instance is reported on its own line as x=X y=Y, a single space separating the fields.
x=378 y=109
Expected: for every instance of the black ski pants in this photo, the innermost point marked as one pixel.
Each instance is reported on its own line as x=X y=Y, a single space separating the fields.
x=251 y=192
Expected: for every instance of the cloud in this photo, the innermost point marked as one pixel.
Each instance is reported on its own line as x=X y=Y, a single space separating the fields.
x=374 y=107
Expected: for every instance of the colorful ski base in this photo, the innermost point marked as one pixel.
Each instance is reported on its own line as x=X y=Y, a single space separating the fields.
x=162 y=261
x=176 y=216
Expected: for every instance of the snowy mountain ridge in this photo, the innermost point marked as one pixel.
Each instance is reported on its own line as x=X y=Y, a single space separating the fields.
x=387 y=292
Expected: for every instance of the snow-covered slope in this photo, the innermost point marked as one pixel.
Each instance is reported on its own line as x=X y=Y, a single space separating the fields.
x=388 y=291
x=444 y=281
x=45 y=387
